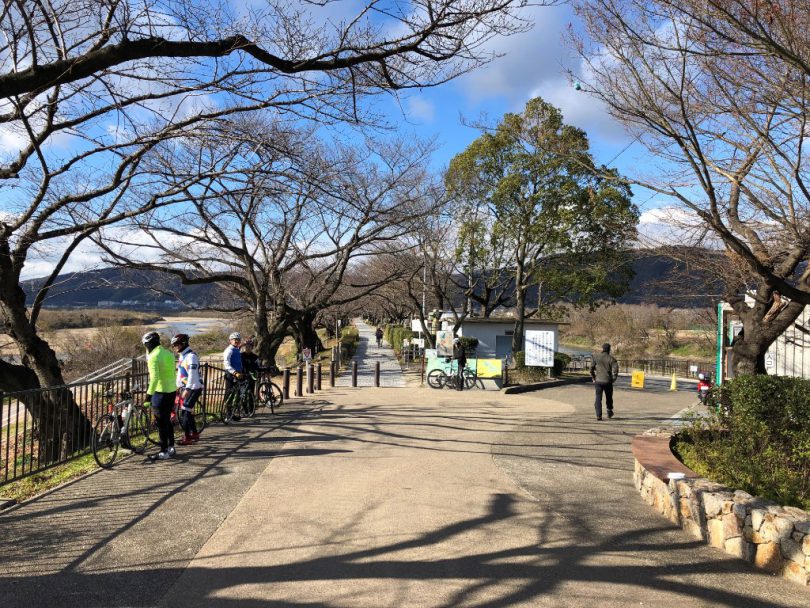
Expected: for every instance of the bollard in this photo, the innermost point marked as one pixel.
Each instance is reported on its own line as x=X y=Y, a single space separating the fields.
x=299 y=382
x=354 y=374
x=310 y=379
x=376 y=373
x=318 y=376
x=332 y=374
x=285 y=383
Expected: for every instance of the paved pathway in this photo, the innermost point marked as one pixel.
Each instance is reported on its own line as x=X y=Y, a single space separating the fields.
x=378 y=498
x=367 y=354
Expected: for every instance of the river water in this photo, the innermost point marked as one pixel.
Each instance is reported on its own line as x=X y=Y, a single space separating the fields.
x=191 y=325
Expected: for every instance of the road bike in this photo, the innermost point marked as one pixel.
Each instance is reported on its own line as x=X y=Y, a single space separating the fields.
x=240 y=403
x=125 y=425
x=200 y=419
x=269 y=393
x=438 y=378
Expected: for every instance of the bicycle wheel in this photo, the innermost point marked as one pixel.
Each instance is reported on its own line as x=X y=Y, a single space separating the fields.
x=150 y=427
x=436 y=378
x=200 y=415
x=106 y=437
x=138 y=430
x=249 y=405
x=270 y=395
x=470 y=379
x=226 y=414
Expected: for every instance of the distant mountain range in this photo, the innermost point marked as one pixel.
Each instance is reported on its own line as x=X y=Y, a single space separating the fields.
x=118 y=288
x=659 y=279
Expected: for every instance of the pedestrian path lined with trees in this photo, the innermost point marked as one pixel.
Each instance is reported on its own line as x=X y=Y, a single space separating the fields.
x=368 y=354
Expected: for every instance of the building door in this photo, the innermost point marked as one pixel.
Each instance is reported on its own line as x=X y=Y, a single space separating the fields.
x=503 y=346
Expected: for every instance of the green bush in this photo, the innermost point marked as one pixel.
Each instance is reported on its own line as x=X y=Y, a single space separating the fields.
x=470 y=344
x=757 y=438
x=561 y=361
x=396 y=334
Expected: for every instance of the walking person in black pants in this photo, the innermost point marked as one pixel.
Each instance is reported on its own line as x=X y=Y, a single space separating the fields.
x=604 y=372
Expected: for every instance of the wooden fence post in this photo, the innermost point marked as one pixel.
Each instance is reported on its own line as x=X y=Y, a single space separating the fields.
x=285 y=382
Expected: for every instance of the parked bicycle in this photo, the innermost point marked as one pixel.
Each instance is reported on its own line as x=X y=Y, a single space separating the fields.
x=125 y=425
x=438 y=378
x=240 y=403
x=269 y=393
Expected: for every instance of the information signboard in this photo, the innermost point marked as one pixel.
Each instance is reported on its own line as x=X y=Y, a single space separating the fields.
x=539 y=348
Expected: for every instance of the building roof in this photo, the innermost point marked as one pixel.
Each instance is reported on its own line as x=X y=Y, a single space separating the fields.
x=510 y=321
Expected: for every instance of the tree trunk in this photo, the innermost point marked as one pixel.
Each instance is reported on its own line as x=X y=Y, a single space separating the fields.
x=269 y=336
x=758 y=334
x=520 y=308
x=305 y=334
x=59 y=420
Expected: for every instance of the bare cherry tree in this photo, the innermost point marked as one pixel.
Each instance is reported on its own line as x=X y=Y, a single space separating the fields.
x=287 y=227
x=718 y=92
x=90 y=88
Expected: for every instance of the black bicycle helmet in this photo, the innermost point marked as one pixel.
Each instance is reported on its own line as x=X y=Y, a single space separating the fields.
x=151 y=339
x=180 y=340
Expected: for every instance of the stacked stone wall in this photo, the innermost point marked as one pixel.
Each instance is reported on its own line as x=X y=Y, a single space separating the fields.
x=774 y=538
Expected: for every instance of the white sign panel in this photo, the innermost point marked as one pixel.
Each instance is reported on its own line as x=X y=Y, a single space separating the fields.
x=539 y=348
x=416 y=325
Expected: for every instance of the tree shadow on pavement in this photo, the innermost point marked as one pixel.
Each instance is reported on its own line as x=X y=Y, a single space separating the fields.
x=535 y=572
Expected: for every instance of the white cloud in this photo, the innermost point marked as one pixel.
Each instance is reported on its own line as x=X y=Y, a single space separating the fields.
x=535 y=64
x=670 y=216
x=528 y=59
x=421 y=109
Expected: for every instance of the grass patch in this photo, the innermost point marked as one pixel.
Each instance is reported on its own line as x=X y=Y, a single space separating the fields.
x=693 y=350
x=37 y=483
x=51 y=319
x=757 y=438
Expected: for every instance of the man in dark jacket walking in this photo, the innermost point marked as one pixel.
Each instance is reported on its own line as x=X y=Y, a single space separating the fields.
x=604 y=372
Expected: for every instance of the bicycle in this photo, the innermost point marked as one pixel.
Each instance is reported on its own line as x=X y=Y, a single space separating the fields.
x=200 y=419
x=438 y=378
x=125 y=424
x=240 y=403
x=269 y=393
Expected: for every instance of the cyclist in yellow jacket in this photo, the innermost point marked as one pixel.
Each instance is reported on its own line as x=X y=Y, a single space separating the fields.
x=161 y=392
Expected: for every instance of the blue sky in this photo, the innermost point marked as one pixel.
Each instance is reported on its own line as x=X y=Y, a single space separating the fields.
x=532 y=64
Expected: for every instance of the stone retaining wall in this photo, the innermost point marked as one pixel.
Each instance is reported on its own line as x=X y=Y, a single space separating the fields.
x=774 y=538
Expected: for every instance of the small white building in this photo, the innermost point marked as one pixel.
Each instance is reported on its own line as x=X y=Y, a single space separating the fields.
x=541 y=337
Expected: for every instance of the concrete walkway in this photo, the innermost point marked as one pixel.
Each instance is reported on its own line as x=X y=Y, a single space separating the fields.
x=366 y=355
x=383 y=497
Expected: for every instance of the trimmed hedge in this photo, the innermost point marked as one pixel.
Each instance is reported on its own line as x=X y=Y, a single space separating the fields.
x=756 y=439
x=561 y=361
x=349 y=337
x=395 y=334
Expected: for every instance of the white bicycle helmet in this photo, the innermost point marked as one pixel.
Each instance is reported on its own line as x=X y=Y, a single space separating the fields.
x=235 y=336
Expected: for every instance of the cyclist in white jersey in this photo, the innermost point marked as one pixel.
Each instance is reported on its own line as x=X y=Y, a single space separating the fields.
x=189 y=387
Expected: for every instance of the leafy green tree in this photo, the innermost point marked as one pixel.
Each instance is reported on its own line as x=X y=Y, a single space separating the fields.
x=565 y=221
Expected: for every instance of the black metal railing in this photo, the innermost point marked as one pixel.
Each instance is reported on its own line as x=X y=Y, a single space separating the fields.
x=682 y=368
x=42 y=428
